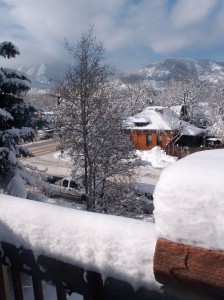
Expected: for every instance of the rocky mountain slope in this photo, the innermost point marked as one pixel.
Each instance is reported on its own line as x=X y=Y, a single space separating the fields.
x=43 y=75
x=174 y=68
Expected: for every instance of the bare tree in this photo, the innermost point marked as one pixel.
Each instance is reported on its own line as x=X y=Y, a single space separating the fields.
x=188 y=92
x=91 y=122
x=215 y=112
x=136 y=91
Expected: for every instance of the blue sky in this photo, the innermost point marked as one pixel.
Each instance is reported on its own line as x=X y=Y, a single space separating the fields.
x=135 y=32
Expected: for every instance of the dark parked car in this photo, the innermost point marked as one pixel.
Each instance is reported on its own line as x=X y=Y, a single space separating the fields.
x=213 y=142
x=146 y=202
x=45 y=133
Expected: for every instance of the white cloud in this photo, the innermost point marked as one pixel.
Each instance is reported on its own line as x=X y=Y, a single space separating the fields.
x=191 y=12
x=39 y=28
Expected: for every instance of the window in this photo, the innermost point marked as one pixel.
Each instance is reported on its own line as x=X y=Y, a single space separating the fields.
x=148 y=140
x=65 y=183
x=141 y=124
x=159 y=140
x=73 y=185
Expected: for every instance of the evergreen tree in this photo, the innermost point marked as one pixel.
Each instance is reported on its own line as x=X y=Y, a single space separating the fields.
x=17 y=122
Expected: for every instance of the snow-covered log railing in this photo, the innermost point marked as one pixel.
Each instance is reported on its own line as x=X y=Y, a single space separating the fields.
x=187 y=270
x=189 y=225
x=65 y=277
x=94 y=255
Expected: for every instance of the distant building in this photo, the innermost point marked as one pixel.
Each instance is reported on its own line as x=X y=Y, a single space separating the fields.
x=162 y=126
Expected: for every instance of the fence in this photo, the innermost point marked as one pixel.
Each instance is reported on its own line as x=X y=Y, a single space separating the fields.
x=65 y=277
x=181 y=152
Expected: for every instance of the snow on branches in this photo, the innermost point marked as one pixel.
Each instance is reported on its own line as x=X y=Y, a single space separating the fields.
x=8 y=50
x=16 y=123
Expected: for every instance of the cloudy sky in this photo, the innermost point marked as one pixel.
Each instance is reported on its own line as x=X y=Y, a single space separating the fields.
x=135 y=32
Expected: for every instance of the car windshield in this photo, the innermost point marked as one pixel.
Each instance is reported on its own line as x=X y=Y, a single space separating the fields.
x=73 y=185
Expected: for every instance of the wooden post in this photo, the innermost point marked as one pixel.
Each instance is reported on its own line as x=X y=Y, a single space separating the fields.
x=17 y=284
x=61 y=292
x=37 y=288
x=4 y=285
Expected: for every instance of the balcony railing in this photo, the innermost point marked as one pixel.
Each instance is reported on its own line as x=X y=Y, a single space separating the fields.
x=66 y=278
x=97 y=256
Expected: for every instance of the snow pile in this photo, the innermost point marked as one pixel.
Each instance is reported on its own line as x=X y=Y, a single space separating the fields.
x=16 y=187
x=113 y=246
x=188 y=201
x=157 y=157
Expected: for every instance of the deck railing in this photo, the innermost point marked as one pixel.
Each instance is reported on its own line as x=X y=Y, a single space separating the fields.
x=66 y=278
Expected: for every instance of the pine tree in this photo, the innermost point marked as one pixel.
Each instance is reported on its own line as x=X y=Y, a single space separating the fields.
x=17 y=122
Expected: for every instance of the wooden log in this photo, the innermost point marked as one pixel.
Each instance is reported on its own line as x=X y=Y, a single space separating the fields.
x=190 y=269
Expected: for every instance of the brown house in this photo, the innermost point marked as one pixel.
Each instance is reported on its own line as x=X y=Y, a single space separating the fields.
x=159 y=126
x=147 y=139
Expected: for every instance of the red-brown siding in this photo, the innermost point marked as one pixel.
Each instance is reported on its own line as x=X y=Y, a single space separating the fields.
x=138 y=138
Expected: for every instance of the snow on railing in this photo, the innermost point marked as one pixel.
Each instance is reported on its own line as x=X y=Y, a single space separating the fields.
x=87 y=253
x=188 y=199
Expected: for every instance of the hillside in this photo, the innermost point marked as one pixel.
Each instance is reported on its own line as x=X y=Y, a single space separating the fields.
x=43 y=75
x=174 y=68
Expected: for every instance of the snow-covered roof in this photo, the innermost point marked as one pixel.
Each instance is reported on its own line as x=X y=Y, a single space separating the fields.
x=190 y=130
x=155 y=119
x=188 y=200
x=161 y=118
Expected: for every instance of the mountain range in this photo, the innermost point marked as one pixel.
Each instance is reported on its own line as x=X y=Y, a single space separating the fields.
x=174 y=68
x=44 y=75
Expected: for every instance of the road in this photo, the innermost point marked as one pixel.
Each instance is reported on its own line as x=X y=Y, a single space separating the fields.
x=42 y=147
x=46 y=157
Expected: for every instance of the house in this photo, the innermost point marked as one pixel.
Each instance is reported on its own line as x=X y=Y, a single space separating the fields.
x=160 y=126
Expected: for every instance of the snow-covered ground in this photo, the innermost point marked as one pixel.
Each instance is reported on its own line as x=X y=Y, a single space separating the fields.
x=53 y=163
x=151 y=166
x=152 y=162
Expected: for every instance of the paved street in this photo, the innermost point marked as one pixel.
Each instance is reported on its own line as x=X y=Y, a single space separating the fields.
x=56 y=166
x=147 y=178
x=50 y=162
x=42 y=147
